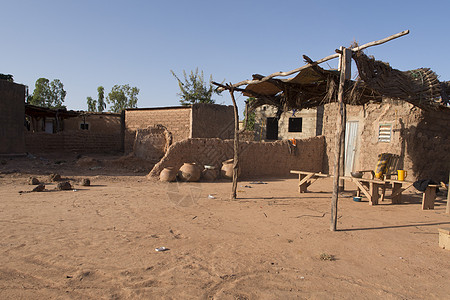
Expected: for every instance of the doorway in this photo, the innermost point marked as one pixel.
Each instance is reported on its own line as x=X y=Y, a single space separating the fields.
x=272 y=129
x=351 y=132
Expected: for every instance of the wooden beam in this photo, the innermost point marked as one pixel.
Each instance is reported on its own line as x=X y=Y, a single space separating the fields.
x=329 y=57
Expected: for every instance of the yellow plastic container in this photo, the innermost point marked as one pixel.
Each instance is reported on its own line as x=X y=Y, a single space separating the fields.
x=401 y=175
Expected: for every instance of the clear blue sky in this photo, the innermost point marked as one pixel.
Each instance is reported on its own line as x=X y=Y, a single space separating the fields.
x=90 y=43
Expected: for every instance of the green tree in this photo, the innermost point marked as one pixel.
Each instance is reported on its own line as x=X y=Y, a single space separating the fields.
x=91 y=103
x=194 y=89
x=48 y=94
x=101 y=99
x=251 y=115
x=122 y=97
x=97 y=105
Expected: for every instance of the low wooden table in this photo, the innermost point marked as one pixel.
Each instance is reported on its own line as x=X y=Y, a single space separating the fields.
x=369 y=187
x=398 y=187
x=305 y=179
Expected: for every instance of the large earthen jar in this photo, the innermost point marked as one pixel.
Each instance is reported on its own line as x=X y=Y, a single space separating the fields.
x=168 y=174
x=209 y=173
x=227 y=169
x=190 y=172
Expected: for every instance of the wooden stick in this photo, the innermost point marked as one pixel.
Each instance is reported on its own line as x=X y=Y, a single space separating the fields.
x=374 y=43
x=236 y=145
x=338 y=138
x=447 y=210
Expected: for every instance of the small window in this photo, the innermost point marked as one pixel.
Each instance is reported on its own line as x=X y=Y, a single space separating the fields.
x=384 y=133
x=84 y=126
x=295 y=124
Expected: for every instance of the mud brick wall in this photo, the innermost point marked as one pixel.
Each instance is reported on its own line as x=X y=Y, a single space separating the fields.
x=12 y=111
x=176 y=119
x=98 y=123
x=247 y=136
x=80 y=142
x=150 y=144
x=212 y=121
x=421 y=138
x=257 y=159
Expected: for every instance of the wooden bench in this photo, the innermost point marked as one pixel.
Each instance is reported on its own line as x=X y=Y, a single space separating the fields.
x=369 y=187
x=305 y=179
x=428 y=197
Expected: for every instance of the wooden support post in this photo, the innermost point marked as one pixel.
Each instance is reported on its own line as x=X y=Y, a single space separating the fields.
x=342 y=156
x=236 y=145
x=347 y=60
x=447 y=210
x=338 y=138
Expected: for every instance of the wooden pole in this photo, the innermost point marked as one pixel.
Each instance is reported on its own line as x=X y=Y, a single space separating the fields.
x=236 y=145
x=338 y=137
x=374 y=43
x=347 y=75
x=342 y=154
x=447 y=210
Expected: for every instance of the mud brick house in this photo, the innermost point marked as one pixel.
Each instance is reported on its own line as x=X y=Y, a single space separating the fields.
x=420 y=137
x=387 y=110
x=293 y=124
x=149 y=131
x=12 y=99
x=60 y=130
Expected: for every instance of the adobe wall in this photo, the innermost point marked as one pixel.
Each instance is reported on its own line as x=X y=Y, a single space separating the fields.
x=421 y=138
x=256 y=158
x=98 y=123
x=309 y=117
x=151 y=143
x=212 y=121
x=74 y=141
x=12 y=111
x=176 y=119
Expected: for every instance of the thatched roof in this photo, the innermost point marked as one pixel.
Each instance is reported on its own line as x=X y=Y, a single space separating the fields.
x=316 y=86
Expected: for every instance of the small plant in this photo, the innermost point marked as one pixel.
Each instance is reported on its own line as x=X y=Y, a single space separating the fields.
x=326 y=256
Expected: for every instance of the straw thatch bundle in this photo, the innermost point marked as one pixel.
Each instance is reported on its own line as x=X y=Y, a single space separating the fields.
x=419 y=87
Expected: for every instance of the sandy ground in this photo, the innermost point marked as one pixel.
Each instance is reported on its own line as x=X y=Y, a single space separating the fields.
x=98 y=242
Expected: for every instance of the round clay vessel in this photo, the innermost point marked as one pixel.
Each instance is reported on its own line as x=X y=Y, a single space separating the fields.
x=209 y=174
x=190 y=172
x=168 y=174
x=227 y=169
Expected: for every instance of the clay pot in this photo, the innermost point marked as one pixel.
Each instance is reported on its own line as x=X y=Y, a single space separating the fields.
x=190 y=172
x=227 y=169
x=168 y=174
x=209 y=174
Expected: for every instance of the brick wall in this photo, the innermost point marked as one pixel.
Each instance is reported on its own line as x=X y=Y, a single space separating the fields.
x=80 y=142
x=256 y=158
x=12 y=111
x=176 y=119
x=421 y=138
x=98 y=123
x=212 y=121
x=151 y=143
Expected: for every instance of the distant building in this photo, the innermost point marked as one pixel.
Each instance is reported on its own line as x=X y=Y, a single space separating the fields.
x=290 y=125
